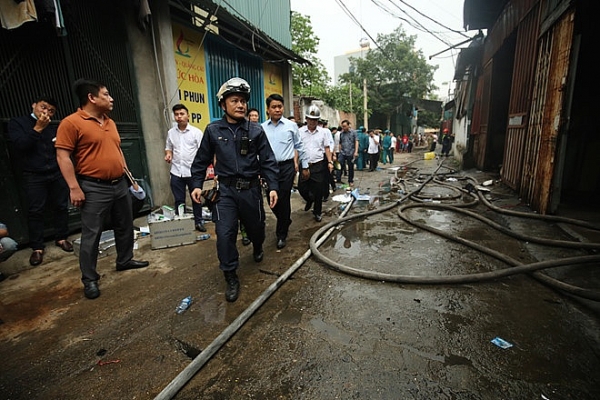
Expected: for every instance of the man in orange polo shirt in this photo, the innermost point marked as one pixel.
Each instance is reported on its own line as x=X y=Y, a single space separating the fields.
x=96 y=179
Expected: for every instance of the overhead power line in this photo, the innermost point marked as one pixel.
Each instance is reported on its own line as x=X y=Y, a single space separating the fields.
x=431 y=19
x=356 y=21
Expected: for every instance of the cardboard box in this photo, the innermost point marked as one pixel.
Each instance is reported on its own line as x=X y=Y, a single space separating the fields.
x=172 y=233
x=106 y=247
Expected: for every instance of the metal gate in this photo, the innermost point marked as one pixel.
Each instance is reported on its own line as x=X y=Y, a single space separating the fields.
x=518 y=112
x=546 y=112
x=224 y=62
x=36 y=60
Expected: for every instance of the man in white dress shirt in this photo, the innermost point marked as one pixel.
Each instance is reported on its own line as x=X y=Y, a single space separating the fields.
x=183 y=142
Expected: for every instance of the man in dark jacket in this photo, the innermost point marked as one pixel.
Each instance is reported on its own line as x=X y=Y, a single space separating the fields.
x=242 y=154
x=33 y=136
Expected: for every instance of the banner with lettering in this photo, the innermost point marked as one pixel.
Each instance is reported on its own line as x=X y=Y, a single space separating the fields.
x=272 y=79
x=191 y=74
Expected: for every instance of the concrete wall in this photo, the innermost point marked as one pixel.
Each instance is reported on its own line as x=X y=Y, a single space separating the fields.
x=330 y=114
x=156 y=81
x=460 y=145
x=157 y=91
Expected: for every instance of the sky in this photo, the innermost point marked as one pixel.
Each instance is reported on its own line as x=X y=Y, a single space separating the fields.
x=339 y=34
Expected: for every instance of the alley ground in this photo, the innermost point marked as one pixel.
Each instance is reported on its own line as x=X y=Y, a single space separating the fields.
x=324 y=334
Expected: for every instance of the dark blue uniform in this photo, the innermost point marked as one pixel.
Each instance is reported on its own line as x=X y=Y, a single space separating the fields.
x=240 y=192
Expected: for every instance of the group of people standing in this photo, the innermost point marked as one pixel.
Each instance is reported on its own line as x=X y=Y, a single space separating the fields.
x=80 y=161
x=245 y=153
x=374 y=146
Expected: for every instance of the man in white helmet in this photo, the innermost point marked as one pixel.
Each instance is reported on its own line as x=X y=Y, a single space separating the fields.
x=320 y=163
x=241 y=152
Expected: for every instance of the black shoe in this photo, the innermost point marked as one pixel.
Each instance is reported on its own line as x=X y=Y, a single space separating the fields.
x=281 y=243
x=325 y=199
x=233 y=286
x=318 y=217
x=258 y=255
x=37 y=257
x=308 y=205
x=246 y=241
x=200 y=227
x=132 y=264
x=65 y=245
x=90 y=290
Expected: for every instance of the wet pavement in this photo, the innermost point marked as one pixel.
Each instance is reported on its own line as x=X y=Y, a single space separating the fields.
x=323 y=334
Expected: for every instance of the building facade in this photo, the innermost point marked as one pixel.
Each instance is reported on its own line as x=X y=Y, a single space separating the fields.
x=524 y=99
x=151 y=55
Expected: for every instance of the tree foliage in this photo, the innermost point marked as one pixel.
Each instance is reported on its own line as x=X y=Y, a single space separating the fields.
x=395 y=72
x=429 y=119
x=307 y=80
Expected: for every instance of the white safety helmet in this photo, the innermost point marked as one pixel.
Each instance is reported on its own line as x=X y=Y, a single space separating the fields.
x=313 y=112
x=234 y=85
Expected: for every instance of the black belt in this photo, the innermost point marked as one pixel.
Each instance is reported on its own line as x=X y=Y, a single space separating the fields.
x=239 y=183
x=291 y=160
x=315 y=163
x=102 y=181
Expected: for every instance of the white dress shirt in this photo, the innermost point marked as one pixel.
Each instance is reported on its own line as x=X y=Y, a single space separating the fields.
x=184 y=144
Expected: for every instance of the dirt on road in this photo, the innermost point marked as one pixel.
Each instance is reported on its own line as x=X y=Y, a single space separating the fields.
x=323 y=334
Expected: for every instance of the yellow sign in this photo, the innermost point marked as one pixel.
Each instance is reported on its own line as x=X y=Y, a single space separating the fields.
x=272 y=79
x=191 y=74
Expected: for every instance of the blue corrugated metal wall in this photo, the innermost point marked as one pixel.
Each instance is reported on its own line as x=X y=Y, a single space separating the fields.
x=223 y=62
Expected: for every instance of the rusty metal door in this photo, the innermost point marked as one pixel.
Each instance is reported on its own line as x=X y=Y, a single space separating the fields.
x=520 y=99
x=481 y=115
x=546 y=112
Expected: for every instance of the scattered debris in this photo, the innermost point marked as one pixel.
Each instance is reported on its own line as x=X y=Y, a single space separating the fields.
x=101 y=363
x=501 y=343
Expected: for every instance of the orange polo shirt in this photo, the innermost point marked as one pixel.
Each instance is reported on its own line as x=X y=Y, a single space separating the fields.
x=96 y=149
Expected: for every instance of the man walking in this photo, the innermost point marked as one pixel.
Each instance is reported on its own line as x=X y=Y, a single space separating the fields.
x=373 y=149
x=182 y=144
x=96 y=178
x=33 y=137
x=348 y=151
x=363 y=147
x=285 y=139
x=317 y=146
x=386 y=144
x=241 y=152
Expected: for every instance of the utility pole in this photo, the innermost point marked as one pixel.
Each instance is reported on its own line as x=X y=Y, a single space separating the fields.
x=366 y=114
x=364 y=44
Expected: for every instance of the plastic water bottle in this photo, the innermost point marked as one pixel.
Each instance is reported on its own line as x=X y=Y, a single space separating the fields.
x=184 y=305
x=204 y=236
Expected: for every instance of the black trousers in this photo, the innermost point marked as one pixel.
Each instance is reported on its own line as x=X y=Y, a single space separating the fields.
x=237 y=206
x=373 y=160
x=178 y=187
x=43 y=189
x=283 y=208
x=103 y=200
x=311 y=189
